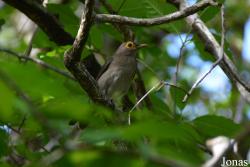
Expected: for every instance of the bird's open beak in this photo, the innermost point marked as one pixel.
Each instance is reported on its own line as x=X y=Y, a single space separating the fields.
x=141 y=46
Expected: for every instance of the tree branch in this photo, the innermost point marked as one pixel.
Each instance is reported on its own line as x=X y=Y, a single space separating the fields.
x=213 y=47
x=51 y=26
x=215 y=64
x=46 y=21
x=38 y=61
x=82 y=35
x=76 y=67
x=155 y=21
x=53 y=29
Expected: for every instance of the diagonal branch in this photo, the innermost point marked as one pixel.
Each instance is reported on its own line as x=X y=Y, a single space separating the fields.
x=39 y=62
x=82 y=34
x=72 y=58
x=46 y=21
x=215 y=64
x=189 y=10
x=214 y=48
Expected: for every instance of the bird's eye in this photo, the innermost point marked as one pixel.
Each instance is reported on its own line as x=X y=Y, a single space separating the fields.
x=130 y=44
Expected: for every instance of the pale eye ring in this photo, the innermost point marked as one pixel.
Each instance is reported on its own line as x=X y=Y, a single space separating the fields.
x=129 y=44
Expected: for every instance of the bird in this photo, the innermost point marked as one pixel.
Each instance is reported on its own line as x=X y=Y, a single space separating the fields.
x=116 y=75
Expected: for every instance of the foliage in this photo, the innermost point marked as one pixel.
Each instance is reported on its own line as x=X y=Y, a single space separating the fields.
x=36 y=103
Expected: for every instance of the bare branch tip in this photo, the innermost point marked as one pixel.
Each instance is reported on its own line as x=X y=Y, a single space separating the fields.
x=213 y=2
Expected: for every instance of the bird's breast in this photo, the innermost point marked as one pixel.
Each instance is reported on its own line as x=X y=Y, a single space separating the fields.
x=117 y=79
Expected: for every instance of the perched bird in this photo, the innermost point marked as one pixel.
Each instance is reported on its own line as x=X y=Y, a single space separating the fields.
x=116 y=75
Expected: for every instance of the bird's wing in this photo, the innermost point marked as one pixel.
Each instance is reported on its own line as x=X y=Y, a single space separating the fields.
x=104 y=67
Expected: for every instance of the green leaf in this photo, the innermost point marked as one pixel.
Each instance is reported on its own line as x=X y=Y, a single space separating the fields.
x=41 y=40
x=212 y=126
x=37 y=81
x=130 y=8
x=221 y=1
x=160 y=106
x=110 y=31
x=177 y=96
x=4 y=141
x=66 y=16
x=7 y=100
x=146 y=8
x=96 y=36
x=99 y=158
x=5 y=12
x=2 y=21
x=209 y=13
x=153 y=129
x=227 y=48
x=200 y=46
x=157 y=7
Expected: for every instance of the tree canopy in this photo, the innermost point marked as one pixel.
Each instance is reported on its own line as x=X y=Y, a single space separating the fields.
x=190 y=95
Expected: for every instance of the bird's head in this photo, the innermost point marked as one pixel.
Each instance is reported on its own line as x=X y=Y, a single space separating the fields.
x=129 y=48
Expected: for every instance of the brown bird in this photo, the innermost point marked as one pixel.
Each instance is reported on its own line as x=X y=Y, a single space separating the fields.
x=116 y=75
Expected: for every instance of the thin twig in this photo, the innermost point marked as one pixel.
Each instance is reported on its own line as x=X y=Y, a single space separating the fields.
x=13 y=86
x=212 y=47
x=175 y=86
x=19 y=133
x=29 y=48
x=215 y=63
x=222 y=30
x=161 y=80
x=149 y=68
x=178 y=65
x=13 y=129
x=180 y=56
x=128 y=34
x=118 y=10
x=108 y=7
x=157 y=86
x=33 y=108
x=39 y=62
x=22 y=123
x=195 y=85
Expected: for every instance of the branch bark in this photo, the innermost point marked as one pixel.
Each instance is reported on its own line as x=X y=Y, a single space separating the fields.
x=188 y=10
x=72 y=58
x=46 y=21
x=51 y=26
x=56 y=33
x=214 y=48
